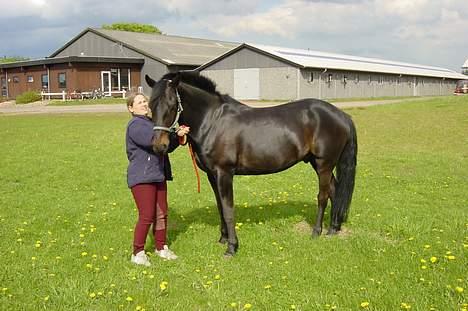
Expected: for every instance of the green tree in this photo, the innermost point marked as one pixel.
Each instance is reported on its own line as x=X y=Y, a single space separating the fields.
x=12 y=59
x=134 y=27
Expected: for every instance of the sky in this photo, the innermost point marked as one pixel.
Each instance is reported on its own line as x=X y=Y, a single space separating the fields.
x=426 y=32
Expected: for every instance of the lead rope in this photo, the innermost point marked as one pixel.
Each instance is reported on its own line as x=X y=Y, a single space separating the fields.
x=194 y=166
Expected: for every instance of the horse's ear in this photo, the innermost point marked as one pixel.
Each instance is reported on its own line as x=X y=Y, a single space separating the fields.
x=150 y=81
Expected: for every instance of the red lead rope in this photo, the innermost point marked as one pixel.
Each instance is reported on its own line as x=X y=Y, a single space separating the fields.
x=194 y=166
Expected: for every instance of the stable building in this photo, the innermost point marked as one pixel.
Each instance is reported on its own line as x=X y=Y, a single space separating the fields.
x=260 y=72
x=109 y=60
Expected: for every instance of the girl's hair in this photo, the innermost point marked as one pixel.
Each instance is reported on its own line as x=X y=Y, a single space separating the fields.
x=131 y=98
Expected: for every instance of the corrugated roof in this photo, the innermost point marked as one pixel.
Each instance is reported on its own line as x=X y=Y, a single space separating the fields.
x=316 y=59
x=171 y=50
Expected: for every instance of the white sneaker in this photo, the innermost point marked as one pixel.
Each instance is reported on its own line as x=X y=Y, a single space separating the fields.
x=166 y=253
x=140 y=259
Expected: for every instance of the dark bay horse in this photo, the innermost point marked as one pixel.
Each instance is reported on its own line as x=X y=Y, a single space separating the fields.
x=230 y=138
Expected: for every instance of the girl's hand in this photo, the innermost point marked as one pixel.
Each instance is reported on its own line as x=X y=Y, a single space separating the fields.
x=183 y=130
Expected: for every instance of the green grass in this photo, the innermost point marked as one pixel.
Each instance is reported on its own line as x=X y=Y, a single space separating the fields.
x=64 y=205
x=100 y=101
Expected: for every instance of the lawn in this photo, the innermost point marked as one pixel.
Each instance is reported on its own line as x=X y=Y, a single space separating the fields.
x=67 y=217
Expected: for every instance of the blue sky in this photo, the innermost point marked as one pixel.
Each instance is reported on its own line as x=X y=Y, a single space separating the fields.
x=427 y=32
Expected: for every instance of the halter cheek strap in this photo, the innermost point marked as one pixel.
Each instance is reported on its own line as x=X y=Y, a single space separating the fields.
x=173 y=127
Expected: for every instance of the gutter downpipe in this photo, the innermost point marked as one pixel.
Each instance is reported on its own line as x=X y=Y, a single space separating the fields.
x=320 y=83
x=48 y=81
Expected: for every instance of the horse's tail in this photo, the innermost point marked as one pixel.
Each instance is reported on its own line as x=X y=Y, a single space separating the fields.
x=345 y=173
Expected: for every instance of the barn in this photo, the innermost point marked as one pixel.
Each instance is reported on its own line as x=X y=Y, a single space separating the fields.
x=109 y=60
x=260 y=72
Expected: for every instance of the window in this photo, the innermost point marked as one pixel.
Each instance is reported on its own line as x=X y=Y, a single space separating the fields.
x=310 y=79
x=345 y=79
x=15 y=79
x=329 y=78
x=115 y=79
x=45 y=81
x=4 y=86
x=125 y=78
x=381 y=79
x=62 y=80
x=30 y=79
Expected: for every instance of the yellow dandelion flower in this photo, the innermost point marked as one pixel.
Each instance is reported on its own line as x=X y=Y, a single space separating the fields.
x=84 y=254
x=129 y=299
x=268 y=286
x=451 y=257
x=364 y=304
x=37 y=245
x=82 y=235
x=105 y=257
x=33 y=258
x=92 y=295
x=138 y=308
x=423 y=261
x=151 y=276
x=427 y=246
x=247 y=306
x=433 y=259
x=112 y=285
x=233 y=304
x=459 y=289
x=163 y=285
x=293 y=307
x=424 y=267
x=405 y=306
x=89 y=266
x=46 y=298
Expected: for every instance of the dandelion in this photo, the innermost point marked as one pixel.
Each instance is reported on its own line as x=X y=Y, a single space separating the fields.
x=364 y=304
x=233 y=304
x=99 y=293
x=433 y=259
x=424 y=267
x=423 y=261
x=138 y=308
x=46 y=298
x=92 y=295
x=163 y=285
x=451 y=257
x=105 y=257
x=129 y=299
x=217 y=277
x=84 y=254
x=459 y=289
x=268 y=286
x=427 y=246
x=293 y=307
x=405 y=306
x=89 y=266
x=247 y=306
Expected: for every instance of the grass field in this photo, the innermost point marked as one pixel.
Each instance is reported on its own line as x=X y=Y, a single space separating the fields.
x=66 y=222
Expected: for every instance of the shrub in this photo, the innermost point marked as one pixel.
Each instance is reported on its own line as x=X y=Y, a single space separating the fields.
x=28 y=97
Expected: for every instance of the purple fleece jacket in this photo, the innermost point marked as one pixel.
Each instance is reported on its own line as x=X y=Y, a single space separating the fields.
x=144 y=165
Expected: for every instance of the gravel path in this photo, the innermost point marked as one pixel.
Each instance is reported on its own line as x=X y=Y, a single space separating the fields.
x=10 y=108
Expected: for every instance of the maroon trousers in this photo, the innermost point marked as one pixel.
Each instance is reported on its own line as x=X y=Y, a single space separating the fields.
x=151 y=201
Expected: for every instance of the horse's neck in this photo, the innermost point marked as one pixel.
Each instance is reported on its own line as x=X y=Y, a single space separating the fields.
x=199 y=106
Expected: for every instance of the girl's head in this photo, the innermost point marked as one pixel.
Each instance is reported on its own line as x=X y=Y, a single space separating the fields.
x=137 y=104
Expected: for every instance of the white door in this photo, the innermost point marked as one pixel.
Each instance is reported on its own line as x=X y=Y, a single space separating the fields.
x=106 y=82
x=247 y=83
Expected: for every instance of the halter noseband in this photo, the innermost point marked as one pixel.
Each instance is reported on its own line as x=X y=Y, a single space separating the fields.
x=174 y=124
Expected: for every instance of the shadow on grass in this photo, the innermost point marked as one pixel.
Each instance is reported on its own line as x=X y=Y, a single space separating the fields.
x=306 y=211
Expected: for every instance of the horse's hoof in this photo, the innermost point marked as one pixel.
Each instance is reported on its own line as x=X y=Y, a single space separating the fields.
x=228 y=255
x=222 y=240
x=316 y=233
x=332 y=231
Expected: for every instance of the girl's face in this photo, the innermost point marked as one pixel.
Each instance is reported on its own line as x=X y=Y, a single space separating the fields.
x=140 y=106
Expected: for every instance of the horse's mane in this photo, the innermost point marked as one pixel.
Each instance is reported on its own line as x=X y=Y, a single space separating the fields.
x=195 y=79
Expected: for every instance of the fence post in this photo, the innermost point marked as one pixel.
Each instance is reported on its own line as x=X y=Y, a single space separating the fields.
x=63 y=95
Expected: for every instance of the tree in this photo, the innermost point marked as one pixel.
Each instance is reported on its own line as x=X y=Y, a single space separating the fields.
x=12 y=59
x=134 y=27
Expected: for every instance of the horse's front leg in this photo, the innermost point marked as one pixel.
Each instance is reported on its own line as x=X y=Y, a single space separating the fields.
x=223 y=228
x=224 y=187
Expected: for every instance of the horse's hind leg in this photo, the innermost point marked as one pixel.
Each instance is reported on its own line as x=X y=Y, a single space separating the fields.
x=325 y=186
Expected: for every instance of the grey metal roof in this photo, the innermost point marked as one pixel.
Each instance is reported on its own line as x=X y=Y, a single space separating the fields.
x=170 y=50
x=316 y=59
x=73 y=59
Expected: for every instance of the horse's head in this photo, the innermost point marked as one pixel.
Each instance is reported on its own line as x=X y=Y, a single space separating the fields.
x=165 y=107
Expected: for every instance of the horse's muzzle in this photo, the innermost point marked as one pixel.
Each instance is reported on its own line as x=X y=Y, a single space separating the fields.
x=161 y=143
